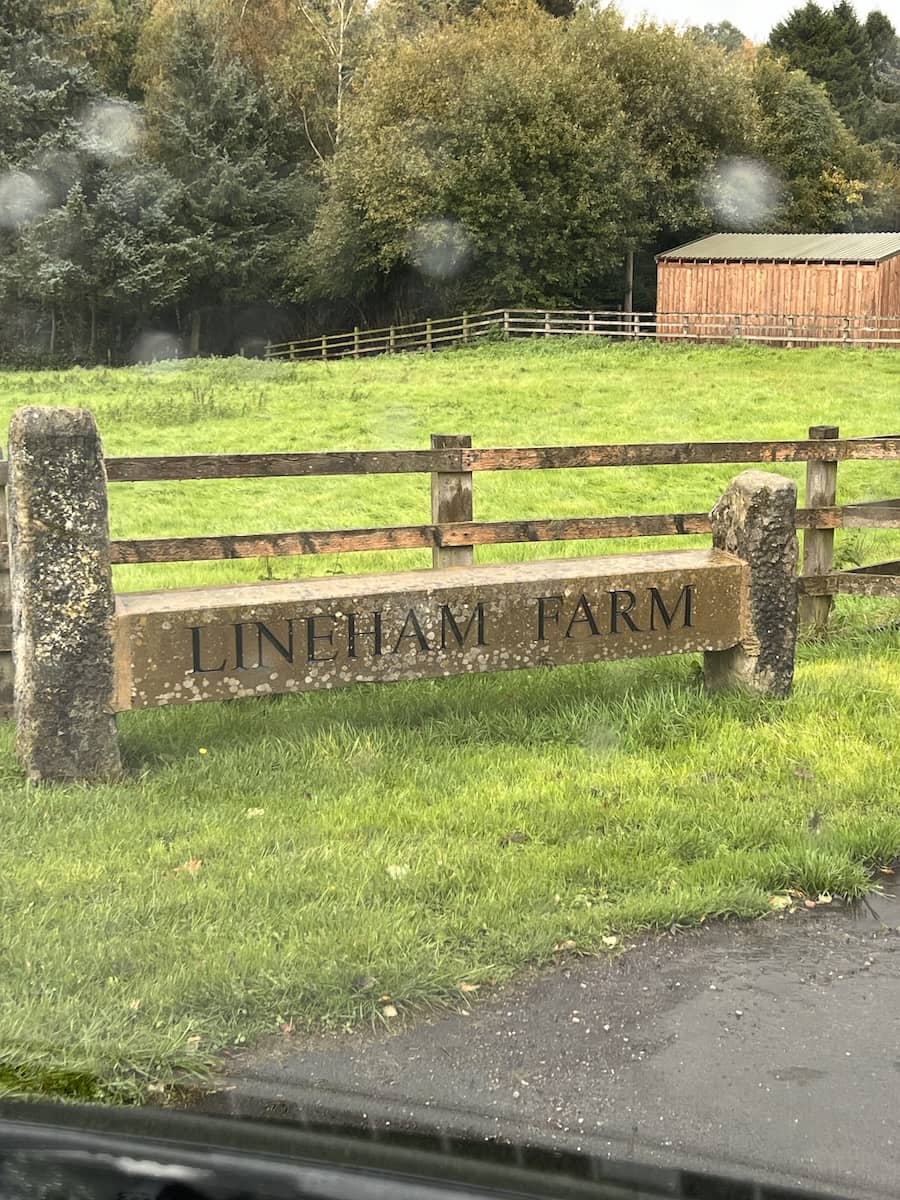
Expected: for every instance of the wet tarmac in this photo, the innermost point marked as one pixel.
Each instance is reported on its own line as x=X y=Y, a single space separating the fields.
x=770 y=1049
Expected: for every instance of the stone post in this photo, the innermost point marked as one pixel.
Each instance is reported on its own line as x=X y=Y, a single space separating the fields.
x=62 y=596
x=756 y=521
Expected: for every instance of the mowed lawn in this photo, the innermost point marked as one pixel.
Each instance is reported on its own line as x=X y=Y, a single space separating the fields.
x=294 y=862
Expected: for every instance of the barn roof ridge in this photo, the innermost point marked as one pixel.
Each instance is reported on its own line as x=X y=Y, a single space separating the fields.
x=788 y=247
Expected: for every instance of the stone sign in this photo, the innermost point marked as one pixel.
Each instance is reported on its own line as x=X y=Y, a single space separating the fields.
x=83 y=653
x=178 y=647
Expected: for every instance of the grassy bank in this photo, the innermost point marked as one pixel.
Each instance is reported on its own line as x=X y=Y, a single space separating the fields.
x=264 y=858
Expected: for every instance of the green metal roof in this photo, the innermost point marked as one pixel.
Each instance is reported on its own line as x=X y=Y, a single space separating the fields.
x=789 y=247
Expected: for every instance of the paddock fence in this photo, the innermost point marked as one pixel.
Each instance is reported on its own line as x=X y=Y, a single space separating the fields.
x=791 y=331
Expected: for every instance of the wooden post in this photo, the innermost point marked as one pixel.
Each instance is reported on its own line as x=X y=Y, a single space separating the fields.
x=392 y=340
x=629 y=281
x=465 y=327
x=546 y=324
x=846 y=331
x=451 y=500
x=506 y=325
x=818 y=544
x=6 y=662
x=428 y=346
x=592 y=326
x=324 y=346
x=268 y=350
x=790 y=341
x=356 y=341
x=737 y=327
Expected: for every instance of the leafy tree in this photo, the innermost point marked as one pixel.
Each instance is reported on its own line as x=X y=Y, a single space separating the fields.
x=688 y=106
x=830 y=180
x=722 y=34
x=481 y=165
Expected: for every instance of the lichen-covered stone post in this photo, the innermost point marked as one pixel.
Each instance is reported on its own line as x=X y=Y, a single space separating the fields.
x=62 y=596
x=756 y=521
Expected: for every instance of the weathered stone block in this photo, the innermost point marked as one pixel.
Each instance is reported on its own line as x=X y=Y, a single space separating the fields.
x=756 y=521
x=62 y=596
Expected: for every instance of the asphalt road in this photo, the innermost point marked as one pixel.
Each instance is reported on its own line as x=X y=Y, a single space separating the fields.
x=772 y=1046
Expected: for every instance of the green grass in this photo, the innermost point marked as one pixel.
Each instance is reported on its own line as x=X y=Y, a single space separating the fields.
x=524 y=810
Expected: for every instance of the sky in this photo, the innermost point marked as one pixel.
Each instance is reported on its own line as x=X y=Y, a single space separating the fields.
x=755 y=19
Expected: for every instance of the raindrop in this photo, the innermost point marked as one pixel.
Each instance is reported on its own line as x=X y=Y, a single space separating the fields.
x=21 y=199
x=154 y=346
x=743 y=193
x=111 y=129
x=440 y=248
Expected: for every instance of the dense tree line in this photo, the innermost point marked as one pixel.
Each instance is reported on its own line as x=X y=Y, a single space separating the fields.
x=197 y=175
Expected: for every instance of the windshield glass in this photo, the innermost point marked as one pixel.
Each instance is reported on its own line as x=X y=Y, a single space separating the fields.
x=450 y=579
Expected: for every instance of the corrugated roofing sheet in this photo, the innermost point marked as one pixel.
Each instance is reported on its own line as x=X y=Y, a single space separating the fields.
x=790 y=247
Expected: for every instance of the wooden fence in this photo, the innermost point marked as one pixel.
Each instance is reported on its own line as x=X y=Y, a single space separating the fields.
x=452 y=533
x=793 y=331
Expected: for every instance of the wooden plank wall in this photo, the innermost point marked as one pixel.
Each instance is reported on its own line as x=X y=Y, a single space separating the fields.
x=889 y=293
x=758 y=290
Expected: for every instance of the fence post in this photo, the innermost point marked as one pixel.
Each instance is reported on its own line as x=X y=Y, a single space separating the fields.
x=465 y=327
x=392 y=340
x=506 y=324
x=592 y=327
x=356 y=341
x=268 y=352
x=846 y=331
x=790 y=342
x=737 y=326
x=6 y=659
x=451 y=500
x=324 y=346
x=818 y=544
x=546 y=324
x=428 y=345
x=62 y=596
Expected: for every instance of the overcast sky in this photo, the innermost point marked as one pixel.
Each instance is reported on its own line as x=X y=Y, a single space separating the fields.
x=755 y=18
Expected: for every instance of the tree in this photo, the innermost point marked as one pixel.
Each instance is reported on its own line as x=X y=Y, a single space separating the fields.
x=688 y=105
x=722 y=34
x=830 y=180
x=482 y=164
x=210 y=123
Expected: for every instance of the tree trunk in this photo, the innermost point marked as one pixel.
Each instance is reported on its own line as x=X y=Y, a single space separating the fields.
x=52 y=328
x=195 y=333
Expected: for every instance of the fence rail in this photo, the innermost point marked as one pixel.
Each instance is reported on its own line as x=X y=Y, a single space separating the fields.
x=792 y=330
x=451 y=463
x=452 y=533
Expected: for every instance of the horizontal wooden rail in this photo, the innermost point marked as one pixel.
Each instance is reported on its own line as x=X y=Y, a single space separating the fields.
x=528 y=458
x=850 y=583
x=424 y=537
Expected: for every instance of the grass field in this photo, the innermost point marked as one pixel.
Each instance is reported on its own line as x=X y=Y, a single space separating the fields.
x=263 y=856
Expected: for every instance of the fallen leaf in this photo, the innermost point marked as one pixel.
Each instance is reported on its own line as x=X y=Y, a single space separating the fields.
x=134 y=1005
x=823 y=898
x=192 y=866
x=610 y=940
x=254 y=812
x=809 y=904
x=468 y=987
x=193 y=1041
x=203 y=750
x=568 y=944
x=287 y=1028
x=397 y=872
x=886 y=870
x=780 y=902
x=389 y=1010
x=383 y=999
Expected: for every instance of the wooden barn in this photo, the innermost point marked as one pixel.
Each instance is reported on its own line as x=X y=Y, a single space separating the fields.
x=787 y=288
